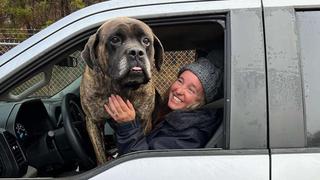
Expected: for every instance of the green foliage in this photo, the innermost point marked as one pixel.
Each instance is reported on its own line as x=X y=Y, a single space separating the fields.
x=3 y=5
x=20 y=15
x=77 y=4
x=3 y=11
x=36 y=14
x=47 y=23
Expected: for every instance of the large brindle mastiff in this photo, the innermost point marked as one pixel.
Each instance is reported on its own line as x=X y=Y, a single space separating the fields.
x=119 y=58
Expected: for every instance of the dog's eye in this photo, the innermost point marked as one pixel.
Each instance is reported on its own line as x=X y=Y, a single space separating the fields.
x=115 y=40
x=146 y=41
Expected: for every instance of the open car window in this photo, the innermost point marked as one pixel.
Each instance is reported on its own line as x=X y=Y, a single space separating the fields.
x=35 y=97
x=183 y=42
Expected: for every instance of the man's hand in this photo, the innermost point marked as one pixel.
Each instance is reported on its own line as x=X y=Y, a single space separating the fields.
x=119 y=110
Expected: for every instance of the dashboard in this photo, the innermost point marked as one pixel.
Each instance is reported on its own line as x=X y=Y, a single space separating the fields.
x=33 y=127
x=29 y=121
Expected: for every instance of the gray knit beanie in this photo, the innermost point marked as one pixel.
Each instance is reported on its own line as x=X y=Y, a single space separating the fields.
x=208 y=74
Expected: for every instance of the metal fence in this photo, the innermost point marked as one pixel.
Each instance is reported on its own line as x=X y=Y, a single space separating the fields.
x=9 y=38
x=173 y=60
x=62 y=76
x=6 y=46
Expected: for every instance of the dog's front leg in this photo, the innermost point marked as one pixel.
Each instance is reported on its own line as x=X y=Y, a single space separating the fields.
x=95 y=131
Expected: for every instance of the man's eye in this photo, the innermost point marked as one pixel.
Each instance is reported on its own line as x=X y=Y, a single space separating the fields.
x=146 y=41
x=115 y=40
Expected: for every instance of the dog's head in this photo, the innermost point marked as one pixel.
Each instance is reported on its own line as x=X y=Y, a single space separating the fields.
x=124 y=49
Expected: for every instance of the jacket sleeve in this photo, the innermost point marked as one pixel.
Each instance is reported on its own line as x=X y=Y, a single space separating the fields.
x=185 y=130
x=130 y=137
x=169 y=137
x=166 y=135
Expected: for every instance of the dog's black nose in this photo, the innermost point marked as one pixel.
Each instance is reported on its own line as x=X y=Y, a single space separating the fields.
x=136 y=53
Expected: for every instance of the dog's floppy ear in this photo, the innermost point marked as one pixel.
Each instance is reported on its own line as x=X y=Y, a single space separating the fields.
x=89 y=52
x=158 y=52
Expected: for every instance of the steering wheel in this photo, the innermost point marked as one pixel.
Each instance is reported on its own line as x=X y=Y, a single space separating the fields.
x=74 y=125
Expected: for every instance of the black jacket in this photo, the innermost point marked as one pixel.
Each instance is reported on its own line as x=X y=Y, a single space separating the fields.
x=178 y=130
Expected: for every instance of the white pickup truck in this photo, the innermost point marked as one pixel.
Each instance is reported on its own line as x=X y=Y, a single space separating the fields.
x=270 y=51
